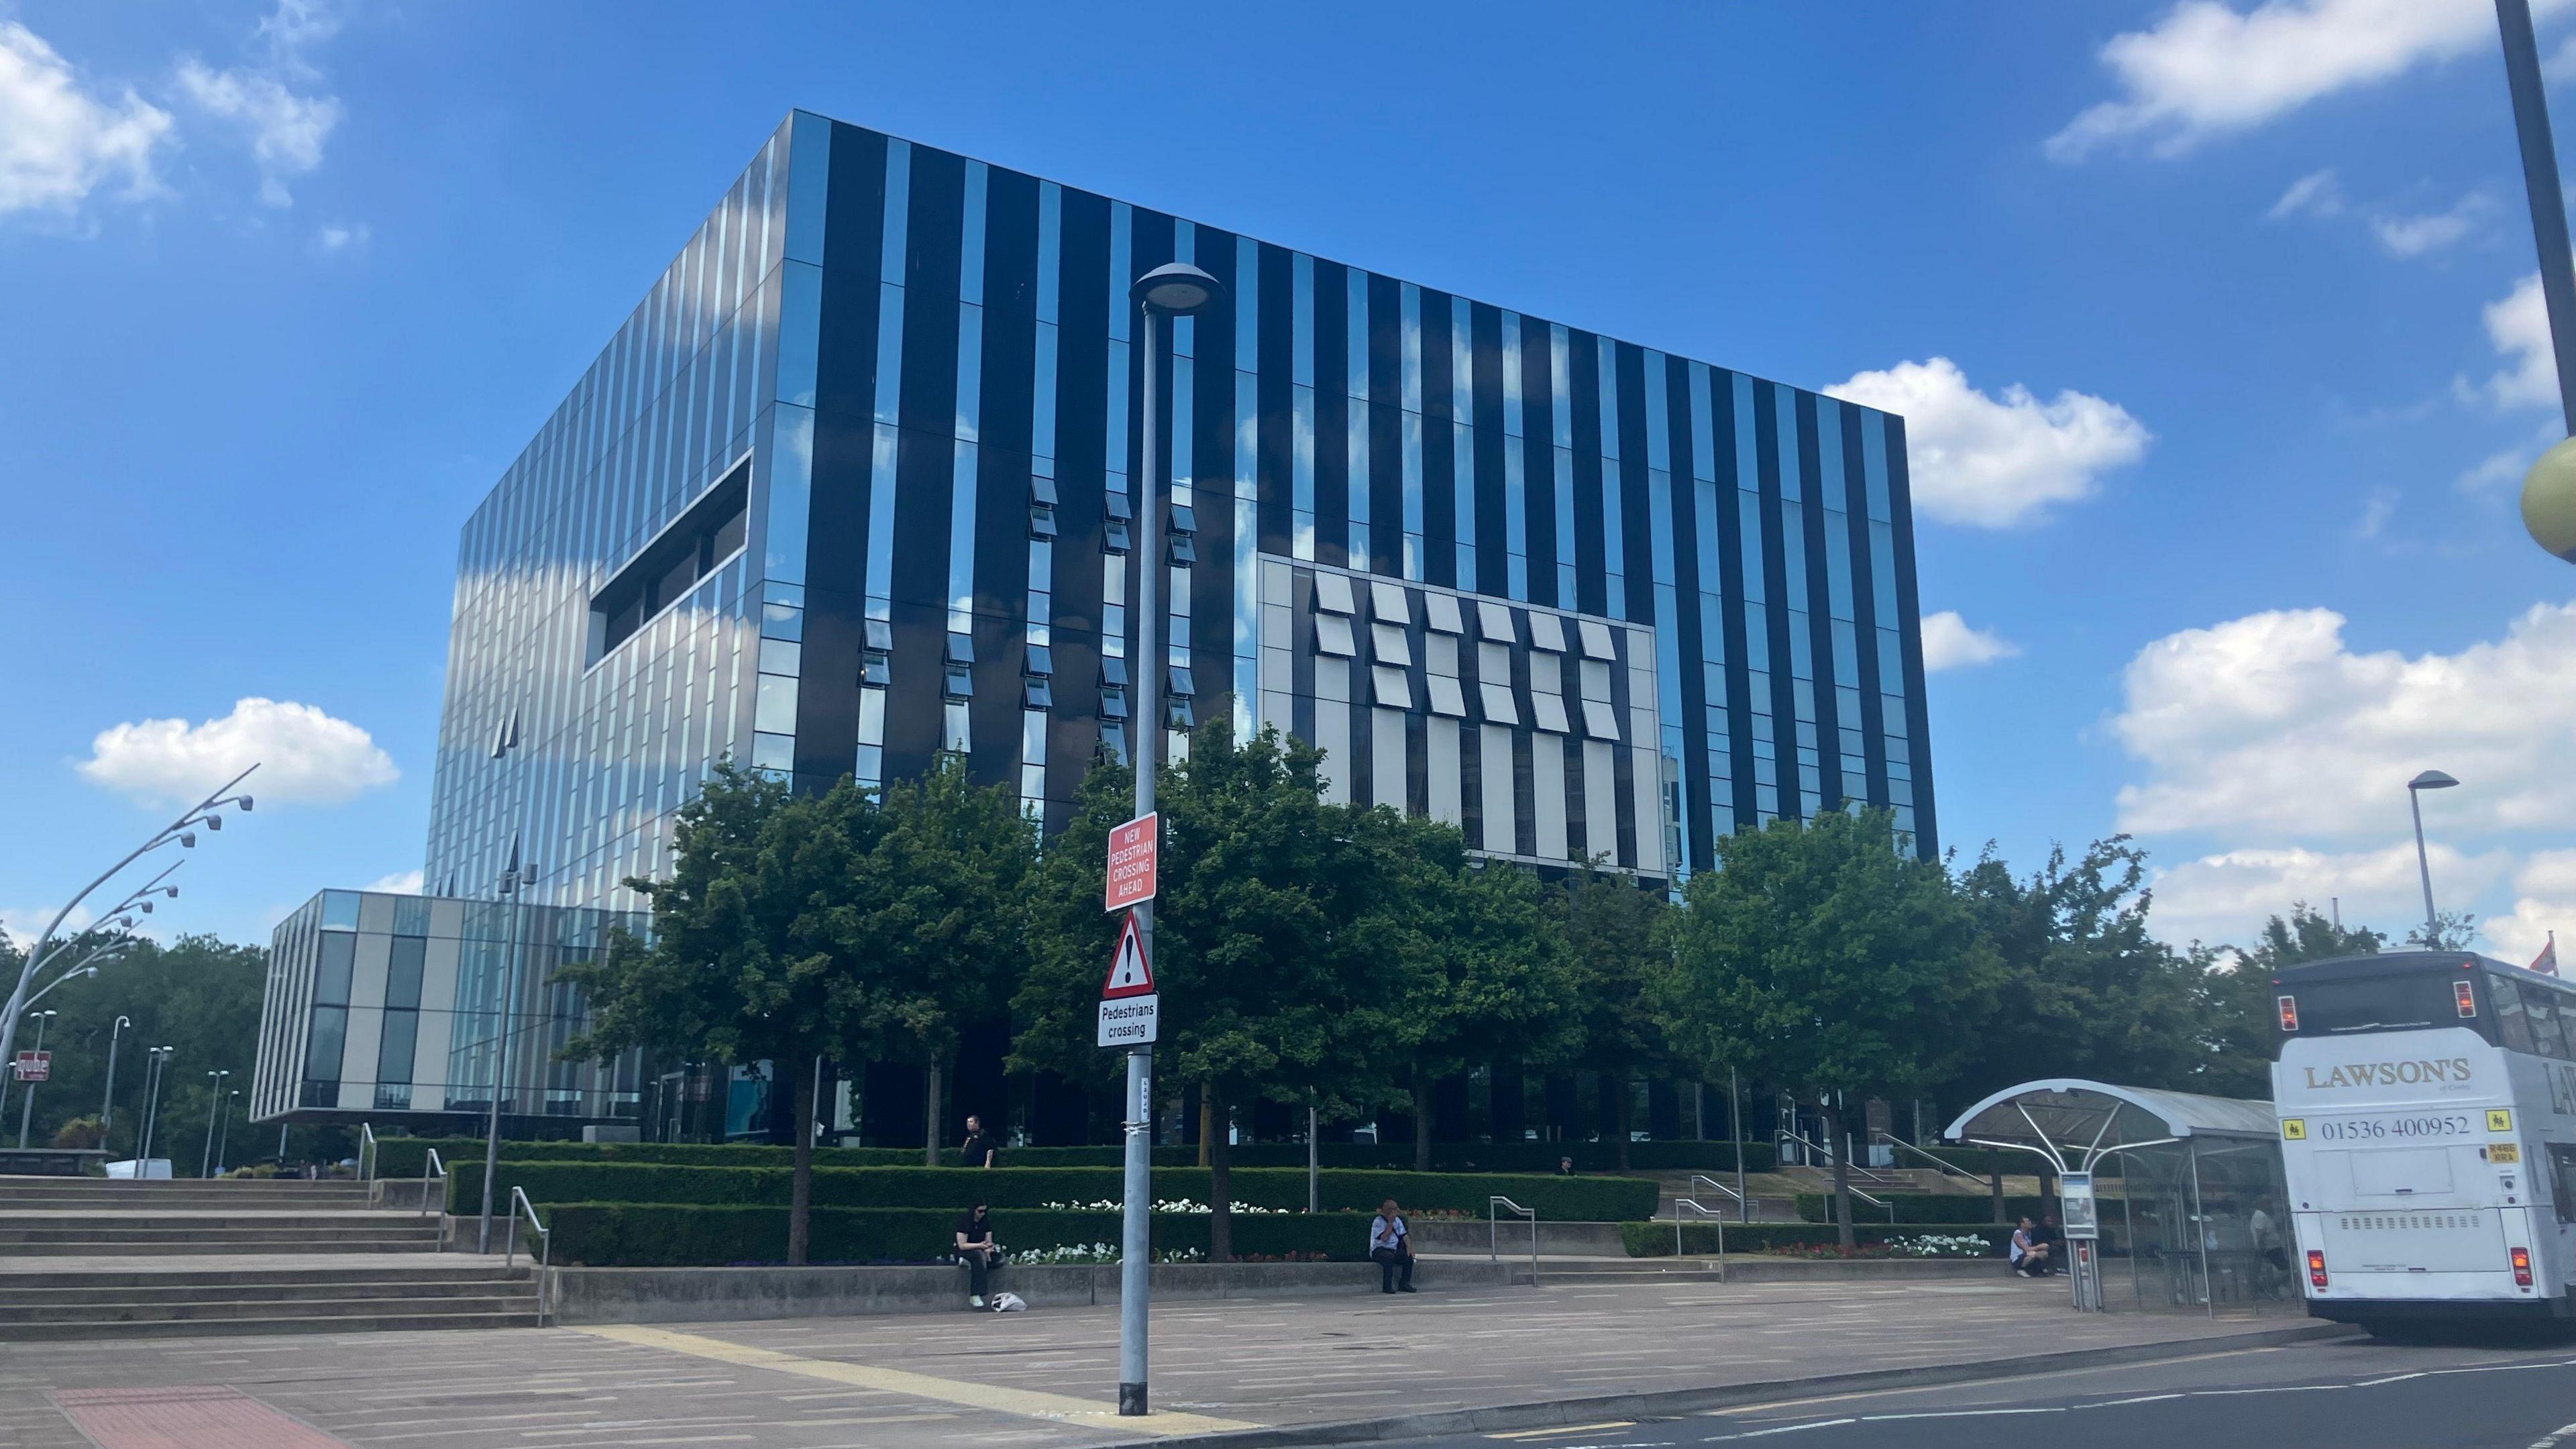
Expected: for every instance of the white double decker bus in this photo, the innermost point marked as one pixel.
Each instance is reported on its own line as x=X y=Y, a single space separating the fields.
x=2428 y=1129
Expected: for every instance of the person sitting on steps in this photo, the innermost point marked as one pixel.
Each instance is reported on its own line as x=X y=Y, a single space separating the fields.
x=977 y=1250
x=2029 y=1252
x=1391 y=1248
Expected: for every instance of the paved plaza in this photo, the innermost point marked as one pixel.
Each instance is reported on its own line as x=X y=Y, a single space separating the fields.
x=1039 y=1377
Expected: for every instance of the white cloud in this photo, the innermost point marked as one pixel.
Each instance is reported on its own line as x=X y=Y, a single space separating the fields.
x=2226 y=897
x=59 y=143
x=23 y=924
x=2318 y=193
x=1948 y=643
x=286 y=131
x=293 y=26
x=2271 y=723
x=400 y=883
x=2518 y=326
x=343 y=237
x=1997 y=461
x=2415 y=236
x=2495 y=471
x=303 y=755
x=2206 y=69
x=2376 y=510
x=2544 y=901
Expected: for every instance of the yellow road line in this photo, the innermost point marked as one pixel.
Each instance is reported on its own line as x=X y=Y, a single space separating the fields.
x=1025 y=1402
x=1568 y=1429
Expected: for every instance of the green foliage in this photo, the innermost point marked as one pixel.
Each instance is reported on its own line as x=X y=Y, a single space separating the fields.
x=1926 y=1207
x=935 y=909
x=1613 y=930
x=1655 y=1239
x=403 y=1157
x=2237 y=997
x=672 y=1235
x=195 y=994
x=1557 y=1199
x=2448 y=931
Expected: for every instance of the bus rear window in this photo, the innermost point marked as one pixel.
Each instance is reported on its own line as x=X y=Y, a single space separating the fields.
x=2413 y=1002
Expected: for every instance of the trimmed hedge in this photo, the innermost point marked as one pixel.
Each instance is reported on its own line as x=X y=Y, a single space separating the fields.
x=404 y=1156
x=1655 y=1239
x=1557 y=1199
x=677 y=1235
x=1923 y=1207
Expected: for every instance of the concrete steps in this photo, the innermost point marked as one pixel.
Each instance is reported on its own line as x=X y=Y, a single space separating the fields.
x=123 y=1234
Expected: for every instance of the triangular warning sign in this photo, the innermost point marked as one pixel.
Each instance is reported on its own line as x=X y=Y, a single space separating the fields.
x=1129 y=972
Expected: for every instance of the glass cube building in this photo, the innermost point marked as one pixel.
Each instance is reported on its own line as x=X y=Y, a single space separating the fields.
x=854 y=486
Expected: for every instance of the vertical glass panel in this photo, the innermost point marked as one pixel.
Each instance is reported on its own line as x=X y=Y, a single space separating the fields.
x=970 y=265
x=1749 y=529
x=339 y=955
x=1608 y=368
x=1873 y=461
x=898 y=211
x=961 y=541
x=1050 y=251
x=808 y=182
x=1512 y=378
x=403 y=970
x=1703 y=426
x=1122 y=274
x=889 y=353
x=1302 y=321
x=1411 y=345
x=1357 y=332
x=970 y=372
x=881 y=488
x=1247 y=304
x=800 y=321
x=791 y=487
x=1659 y=437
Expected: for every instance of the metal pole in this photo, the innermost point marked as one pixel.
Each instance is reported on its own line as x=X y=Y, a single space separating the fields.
x=27 y=1107
x=1137 y=1249
x=152 y=1109
x=107 y=1099
x=2424 y=864
x=215 y=1091
x=1735 y=1114
x=500 y=1066
x=2540 y=184
x=224 y=1134
x=1313 y=1163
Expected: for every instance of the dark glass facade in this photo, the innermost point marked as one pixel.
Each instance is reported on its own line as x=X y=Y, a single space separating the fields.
x=854 y=487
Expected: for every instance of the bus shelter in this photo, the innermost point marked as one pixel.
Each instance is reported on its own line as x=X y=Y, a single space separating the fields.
x=2174 y=1202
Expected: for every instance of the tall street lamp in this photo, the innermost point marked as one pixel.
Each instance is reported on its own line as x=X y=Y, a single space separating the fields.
x=1174 y=290
x=215 y=1096
x=27 y=1108
x=2415 y=788
x=107 y=1099
x=224 y=1135
x=157 y=1071
x=2549 y=489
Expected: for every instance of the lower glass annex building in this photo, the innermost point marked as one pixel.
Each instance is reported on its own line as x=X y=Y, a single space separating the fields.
x=852 y=487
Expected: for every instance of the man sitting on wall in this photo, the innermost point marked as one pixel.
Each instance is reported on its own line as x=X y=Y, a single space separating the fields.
x=977 y=1250
x=1391 y=1248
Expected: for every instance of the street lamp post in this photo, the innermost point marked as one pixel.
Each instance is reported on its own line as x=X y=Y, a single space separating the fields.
x=1173 y=290
x=27 y=1108
x=107 y=1099
x=508 y=890
x=215 y=1093
x=224 y=1134
x=154 y=1075
x=2415 y=788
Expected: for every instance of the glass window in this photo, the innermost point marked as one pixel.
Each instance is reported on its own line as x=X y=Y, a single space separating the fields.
x=325 y=1047
x=395 y=1046
x=402 y=976
x=2548 y=1023
x=339 y=958
x=2513 y=1029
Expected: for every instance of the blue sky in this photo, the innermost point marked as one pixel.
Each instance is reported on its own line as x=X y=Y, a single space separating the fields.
x=2213 y=325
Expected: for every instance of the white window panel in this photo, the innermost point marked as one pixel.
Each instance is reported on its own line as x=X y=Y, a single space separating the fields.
x=1547 y=711
x=1333 y=681
x=1547 y=631
x=1494 y=662
x=1391 y=645
x=1600 y=720
x=775 y=709
x=1547 y=673
x=1333 y=635
x=1444 y=615
x=1497 y=622
x=1440 y=654
x=1595 y=678
x=1394 y=689
x=1388 y=601
x=1499 y=707
x=1333 y=593
x=1446 y=697
x=1274 y=583
x=1596 y=638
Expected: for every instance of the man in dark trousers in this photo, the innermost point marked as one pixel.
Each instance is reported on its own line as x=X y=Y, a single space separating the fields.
x=980 y=1150
x=1391 y=1248
x=977 y=1250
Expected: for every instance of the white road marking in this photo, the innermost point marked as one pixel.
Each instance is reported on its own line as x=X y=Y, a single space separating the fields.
x=1783 y=1429
x=2550 y=1439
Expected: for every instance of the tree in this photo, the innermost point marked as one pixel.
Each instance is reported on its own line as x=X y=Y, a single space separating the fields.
x=1270 y=958
x=2238 y=994
x=752 y=952
x=2086 y=989
x=941 y=918
x=1485 y=958
x=1822 y=957
x=1613 y=931
x=2448 y=931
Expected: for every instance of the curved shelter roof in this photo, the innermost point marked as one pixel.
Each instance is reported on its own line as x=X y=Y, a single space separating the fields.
x=2074 y=1121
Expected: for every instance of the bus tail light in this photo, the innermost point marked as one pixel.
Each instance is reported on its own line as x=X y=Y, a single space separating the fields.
x=2317 y=1267
x=2467 y=996
x=2521 y=1267
x=2289 y=1013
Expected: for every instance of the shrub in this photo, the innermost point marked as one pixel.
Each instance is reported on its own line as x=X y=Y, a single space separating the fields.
x=1556 y=1199
x=678 y=1235
x=1920 y=1207
x=1655 y=1239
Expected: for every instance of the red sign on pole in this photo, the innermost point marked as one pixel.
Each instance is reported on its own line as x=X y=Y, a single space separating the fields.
x=1132 y=859
x=35 y=1066
x=1130 y=974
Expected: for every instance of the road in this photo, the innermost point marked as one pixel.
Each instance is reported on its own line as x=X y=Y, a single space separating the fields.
x=2350 y=1395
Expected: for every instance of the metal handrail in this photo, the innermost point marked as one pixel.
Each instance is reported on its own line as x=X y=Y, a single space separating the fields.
x=366 y=1152
x=1856 y=1170
x=545 y=1247
x=1693 y=1204
x=1494 y=1230
x=1948 y=1168
x=429 y=1165
x=1697 y=1179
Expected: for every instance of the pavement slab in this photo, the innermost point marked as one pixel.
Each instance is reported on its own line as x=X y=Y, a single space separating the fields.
x=1050 y=1376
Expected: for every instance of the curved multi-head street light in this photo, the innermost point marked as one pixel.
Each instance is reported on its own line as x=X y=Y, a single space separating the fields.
x=182 y=832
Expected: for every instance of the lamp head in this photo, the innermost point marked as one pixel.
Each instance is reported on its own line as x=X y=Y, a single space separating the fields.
x=1177 y=288
x=214 y=822
x=187 y=840
x=2431 y=780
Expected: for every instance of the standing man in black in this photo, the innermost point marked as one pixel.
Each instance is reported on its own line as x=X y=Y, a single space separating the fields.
x=980 y=1150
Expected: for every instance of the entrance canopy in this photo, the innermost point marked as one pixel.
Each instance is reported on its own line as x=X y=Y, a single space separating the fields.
x=2074 y=1123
